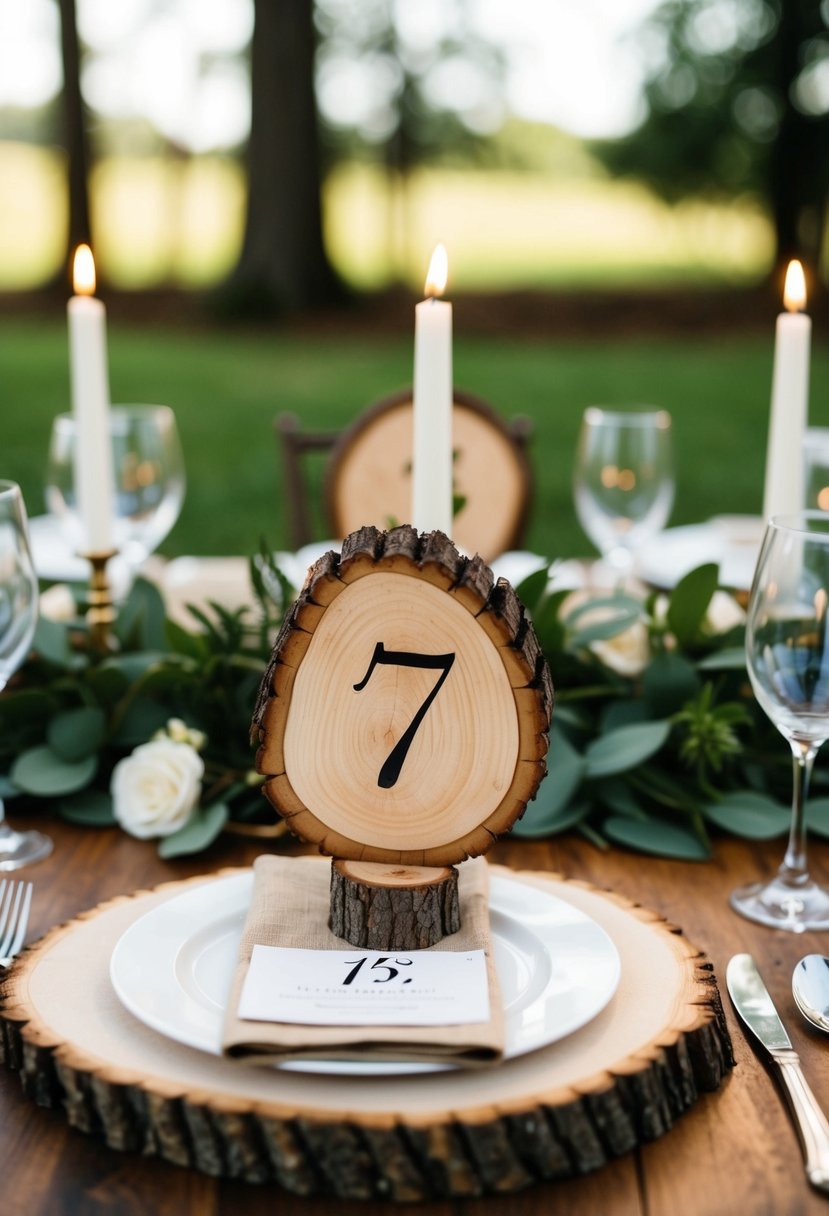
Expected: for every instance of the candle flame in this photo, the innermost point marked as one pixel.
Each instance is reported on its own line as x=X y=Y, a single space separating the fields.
x=794 y=293
x=83 y=272
x=438 y=272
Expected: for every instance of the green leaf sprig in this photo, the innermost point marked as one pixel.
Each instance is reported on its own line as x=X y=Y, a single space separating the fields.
x=72 y=714
x=656 y=739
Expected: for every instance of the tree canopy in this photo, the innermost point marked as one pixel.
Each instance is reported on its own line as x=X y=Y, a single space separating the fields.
x=737 y=101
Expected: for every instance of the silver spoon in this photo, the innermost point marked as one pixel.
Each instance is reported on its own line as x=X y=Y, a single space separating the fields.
x=810 y=989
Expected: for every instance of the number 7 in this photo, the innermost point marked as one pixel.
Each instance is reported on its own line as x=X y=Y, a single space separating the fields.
x=405 y=658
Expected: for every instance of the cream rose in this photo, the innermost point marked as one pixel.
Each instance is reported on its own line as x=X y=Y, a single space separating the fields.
x=58 y=603
x=178 y=730
x=723 y=613
x=155 y=789
x=627 y=653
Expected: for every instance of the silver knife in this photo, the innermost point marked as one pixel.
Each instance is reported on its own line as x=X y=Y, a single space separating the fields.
x=754 y=1005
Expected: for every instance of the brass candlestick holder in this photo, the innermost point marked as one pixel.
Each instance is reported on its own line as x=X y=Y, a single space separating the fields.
x=100 y=611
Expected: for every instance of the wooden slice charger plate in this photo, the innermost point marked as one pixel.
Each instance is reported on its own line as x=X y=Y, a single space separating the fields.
x=619 y=1081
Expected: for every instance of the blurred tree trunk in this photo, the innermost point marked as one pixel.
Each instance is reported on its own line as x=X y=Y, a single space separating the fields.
x=283 y=265
x=795 y=191
x=74 y=131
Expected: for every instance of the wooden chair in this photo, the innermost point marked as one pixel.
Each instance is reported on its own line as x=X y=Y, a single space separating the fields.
x=368 y=473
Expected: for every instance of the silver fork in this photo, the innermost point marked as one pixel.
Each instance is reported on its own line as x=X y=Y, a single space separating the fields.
x=15 y=902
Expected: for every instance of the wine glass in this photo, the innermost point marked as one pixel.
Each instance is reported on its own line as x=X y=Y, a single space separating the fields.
x=623 y=483
x=18 y=616
x=148 y=473
x=787 y=653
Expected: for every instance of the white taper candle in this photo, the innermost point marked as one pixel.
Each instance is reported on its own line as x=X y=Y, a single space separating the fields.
x=789 y=400
x=432 y=447
x=90 y=405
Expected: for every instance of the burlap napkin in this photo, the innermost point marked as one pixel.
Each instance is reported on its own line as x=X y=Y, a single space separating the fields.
x=289 y=907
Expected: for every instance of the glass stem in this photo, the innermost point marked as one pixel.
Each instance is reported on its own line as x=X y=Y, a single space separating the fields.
x=793 y=869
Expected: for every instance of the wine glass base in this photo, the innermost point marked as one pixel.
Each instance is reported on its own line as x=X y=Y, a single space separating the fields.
x=19 y=849
x=784 y=905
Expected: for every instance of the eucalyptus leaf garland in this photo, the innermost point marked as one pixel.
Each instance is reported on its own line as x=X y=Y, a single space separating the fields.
x=657 y=739
x=71 y=715
x=656 y=743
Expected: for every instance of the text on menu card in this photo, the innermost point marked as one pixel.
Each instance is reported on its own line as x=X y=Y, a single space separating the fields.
x=365 y=988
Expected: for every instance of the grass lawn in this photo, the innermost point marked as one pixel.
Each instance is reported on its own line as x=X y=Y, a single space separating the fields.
x=226 y=387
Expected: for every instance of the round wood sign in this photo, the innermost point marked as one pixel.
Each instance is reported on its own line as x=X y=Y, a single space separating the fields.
x=369 y=473
x=404 y=714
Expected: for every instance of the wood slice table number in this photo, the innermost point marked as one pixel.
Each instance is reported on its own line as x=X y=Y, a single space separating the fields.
x=403 y=724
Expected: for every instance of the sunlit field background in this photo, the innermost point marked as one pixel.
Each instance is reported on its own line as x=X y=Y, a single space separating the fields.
x=180 y=222
x=625 y=299
x=163 y=224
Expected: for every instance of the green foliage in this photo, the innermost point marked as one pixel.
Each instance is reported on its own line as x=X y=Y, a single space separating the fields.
x=689 y=604
x=709 y=732
x=733 y=108
x=41 y=771
x=817 y=816
x=197 y=833
x=421 y=127
x=662 y=839
x=77 y=734
x=657 y=737
x=625 y=748
x=745 y=813
x=669 y=681
x=74 y=714
x=90 y=809
x=554 y=809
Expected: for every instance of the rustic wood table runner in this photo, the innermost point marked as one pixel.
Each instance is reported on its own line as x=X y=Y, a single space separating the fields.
x=560 y=1111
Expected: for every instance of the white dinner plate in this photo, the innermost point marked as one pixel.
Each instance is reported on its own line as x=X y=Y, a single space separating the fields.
x=296 y=565
x=172 y=968
x=517 y=564
x=51 y=554
x=672 y=554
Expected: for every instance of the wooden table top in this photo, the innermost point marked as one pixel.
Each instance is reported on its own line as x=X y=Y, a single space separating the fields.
x=735 y=1151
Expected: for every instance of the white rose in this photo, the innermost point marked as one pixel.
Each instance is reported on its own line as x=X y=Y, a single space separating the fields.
x=58 y=603
x=724 y=613
x=196 y=738
x=627 y=653
x=177 y=730
x=155 y=789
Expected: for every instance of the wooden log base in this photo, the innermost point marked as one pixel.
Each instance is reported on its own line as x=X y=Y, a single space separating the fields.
x=568 y=1109
x=393 y=907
